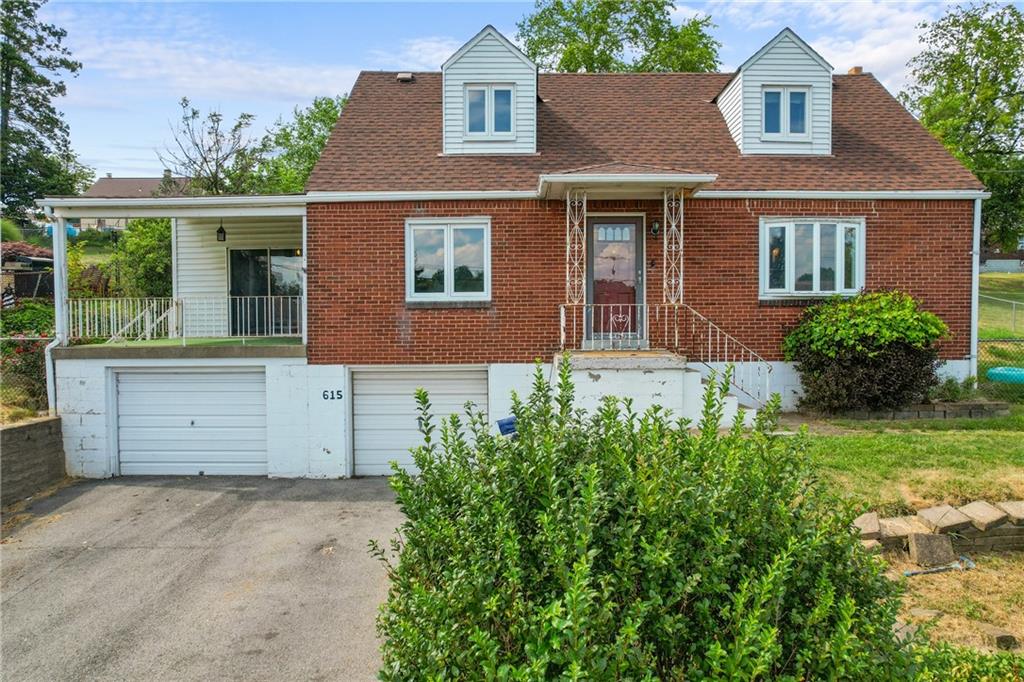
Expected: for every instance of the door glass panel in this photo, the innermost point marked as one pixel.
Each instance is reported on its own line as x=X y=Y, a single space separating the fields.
x=428 y=260
x=286 y=272
x=850 y=258
x=777 y=257
x=468 y=259
x=827 y=257
x=614 y=284
x=803 y=248
x=477 y=111
x=502 y=111
x=249 y=281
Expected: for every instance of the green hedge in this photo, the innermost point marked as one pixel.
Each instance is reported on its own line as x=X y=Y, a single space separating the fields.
x=30 y=317
x=626 y=546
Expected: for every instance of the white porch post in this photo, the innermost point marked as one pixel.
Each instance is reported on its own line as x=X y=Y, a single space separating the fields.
x=672 y=247
x=305 y=307
x=60 y=279
x=575 y=246
x=975 y=270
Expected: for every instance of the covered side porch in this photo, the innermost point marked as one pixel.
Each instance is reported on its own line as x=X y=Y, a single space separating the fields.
x=624 y=283
x=237 y=274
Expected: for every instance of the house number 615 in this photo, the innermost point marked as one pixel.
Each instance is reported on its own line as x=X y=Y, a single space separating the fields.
x=332 y=395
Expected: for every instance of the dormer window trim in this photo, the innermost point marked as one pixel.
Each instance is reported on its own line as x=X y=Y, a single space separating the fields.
x=785 y=132
x=490 y=131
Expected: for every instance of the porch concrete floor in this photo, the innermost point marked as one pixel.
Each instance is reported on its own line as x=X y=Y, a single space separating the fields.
x=196 y=578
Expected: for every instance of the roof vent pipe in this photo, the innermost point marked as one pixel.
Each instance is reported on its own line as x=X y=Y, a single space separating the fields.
x=404 y=77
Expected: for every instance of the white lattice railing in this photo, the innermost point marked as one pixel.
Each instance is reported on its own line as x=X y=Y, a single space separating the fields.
x=674 y=327
x=136 y=319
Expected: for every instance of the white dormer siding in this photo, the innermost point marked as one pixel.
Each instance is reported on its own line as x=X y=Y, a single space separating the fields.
x=785 y=65
x=491 y=63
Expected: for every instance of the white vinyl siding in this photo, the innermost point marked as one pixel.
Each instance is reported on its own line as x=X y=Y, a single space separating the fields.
x=187 y=423
x=385 y=414
x=201 y=262
x=490 y=61
x=786 y=63
x=730 y=103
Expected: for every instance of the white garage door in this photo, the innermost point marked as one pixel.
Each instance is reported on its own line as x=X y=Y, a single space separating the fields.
x=384 y=411
x=192 y=422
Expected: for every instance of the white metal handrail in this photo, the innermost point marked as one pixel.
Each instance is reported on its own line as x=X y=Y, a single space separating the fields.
x=120 y=319
x=134 y=319
x=675 y=327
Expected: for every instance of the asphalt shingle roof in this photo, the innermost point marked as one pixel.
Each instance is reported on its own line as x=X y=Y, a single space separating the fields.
x=389 y=138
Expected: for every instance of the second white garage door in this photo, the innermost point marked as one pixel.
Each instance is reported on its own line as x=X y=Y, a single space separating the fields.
x=385 y=414
x=192 y=422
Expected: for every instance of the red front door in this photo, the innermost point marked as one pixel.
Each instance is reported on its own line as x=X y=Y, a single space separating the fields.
x=614 y=274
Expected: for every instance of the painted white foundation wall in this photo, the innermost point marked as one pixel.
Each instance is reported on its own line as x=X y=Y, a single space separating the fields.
x=306 y=432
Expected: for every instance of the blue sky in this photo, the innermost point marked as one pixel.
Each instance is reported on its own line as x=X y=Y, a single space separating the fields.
x=266 y=58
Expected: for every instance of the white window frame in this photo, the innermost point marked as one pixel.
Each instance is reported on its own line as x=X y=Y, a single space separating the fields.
x=449 y=224
x=489 y=132
x=785 y=133
x=789 y=290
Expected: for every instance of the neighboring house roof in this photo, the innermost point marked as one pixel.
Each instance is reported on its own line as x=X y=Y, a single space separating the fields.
x=10 y=251
x=128 y=188
x=389 y=139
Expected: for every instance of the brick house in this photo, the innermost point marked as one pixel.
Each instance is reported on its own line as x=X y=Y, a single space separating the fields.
x=462 y=225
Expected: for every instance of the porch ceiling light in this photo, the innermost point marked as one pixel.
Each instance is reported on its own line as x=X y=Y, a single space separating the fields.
x=222 y=236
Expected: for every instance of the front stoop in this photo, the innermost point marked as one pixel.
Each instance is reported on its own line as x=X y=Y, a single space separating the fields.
x=647 y=378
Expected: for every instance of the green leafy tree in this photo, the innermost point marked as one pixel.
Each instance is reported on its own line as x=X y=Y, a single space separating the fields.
x=141 y=264
x=616 y=35
x=35 y=153
x=9 y=231
x=291 y=148
x=968 y=90
x=218 y=157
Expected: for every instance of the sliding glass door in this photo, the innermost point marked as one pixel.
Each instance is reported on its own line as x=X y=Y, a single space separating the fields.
x=265 y=287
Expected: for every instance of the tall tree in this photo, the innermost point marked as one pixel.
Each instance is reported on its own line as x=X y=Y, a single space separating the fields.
x=293 y=147
x=968 y=90
x=35 y=151
x=616 y=35
x=216 y=157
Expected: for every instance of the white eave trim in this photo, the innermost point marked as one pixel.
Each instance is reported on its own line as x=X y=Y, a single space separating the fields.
x=953 y=194
x=670 y=179
x=419 y=195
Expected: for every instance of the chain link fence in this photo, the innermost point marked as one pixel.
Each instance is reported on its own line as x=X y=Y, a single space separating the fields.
x=1001 y=348
x=22 y=378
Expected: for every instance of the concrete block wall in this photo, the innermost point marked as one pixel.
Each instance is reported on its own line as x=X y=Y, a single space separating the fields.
x=31 y=458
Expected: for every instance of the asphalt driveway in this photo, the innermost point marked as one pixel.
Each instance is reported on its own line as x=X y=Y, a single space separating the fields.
x=196 y=578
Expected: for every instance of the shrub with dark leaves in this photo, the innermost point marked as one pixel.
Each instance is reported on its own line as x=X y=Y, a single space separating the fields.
x=627 y=546
x=873 y=351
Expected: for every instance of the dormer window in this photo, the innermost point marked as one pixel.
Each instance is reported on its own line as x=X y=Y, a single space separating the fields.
x=784 y=112
x=489 y=111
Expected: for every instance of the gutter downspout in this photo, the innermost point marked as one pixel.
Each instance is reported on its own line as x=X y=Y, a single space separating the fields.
x=975 y=269
x=60 y=282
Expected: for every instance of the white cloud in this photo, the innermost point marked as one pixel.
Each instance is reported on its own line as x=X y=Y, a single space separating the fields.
x=418 y=54
x=168 y=48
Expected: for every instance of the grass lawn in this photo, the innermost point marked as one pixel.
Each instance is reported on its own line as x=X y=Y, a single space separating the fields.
x=97 y=254
x=991 y=593
x=996 y=318
x=899 y=467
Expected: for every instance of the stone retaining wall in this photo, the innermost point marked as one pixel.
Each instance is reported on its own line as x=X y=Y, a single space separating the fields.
x=978 y=409
x=31 y=458
x=975 y=527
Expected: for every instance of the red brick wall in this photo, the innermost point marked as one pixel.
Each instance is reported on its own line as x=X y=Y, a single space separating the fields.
x=356 y=260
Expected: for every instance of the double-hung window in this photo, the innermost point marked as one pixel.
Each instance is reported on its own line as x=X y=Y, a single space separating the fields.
x=785 y=112
x=811 y=257
x=448 y=259
x=490 y=110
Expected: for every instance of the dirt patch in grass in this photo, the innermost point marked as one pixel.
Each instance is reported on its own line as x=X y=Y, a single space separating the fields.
x=991 y=593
